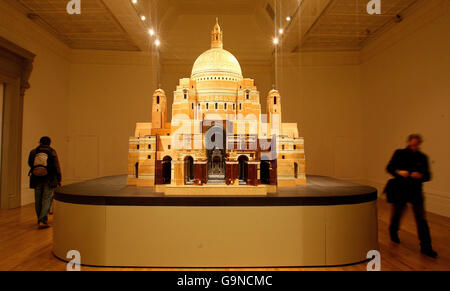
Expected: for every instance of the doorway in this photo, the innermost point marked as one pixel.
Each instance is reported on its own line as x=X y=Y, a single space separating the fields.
x=136 y=170
x=167 y=170
x=243 y=169
x=188 y=170
x=265 y=172
x=17 y=64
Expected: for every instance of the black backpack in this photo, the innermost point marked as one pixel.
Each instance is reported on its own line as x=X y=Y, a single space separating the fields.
x=42 y=162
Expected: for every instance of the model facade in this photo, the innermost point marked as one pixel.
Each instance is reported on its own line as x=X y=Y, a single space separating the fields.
x=217 y=135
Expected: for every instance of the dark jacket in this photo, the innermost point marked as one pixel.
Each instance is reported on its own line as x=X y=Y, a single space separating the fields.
x=405 y=159
x=54 y=169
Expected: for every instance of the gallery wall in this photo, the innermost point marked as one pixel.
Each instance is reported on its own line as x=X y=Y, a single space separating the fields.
x=45 y=103
x=109 y=93
x=321 y=92
x=405 y=86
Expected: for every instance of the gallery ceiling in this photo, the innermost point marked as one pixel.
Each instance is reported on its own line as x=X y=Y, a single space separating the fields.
x=183 y=26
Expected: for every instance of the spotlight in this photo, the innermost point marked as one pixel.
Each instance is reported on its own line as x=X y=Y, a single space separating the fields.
x=157 y=42
x=281 y=31
x=288 y=18
x=276 y=41
x=151 y=32
x=143 y=18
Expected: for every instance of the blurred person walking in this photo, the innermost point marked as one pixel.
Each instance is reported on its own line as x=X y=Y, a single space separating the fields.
x=410 y=169
x=45 y=176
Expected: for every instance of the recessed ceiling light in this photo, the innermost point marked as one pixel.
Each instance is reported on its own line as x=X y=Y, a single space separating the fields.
x=157 y=42
x=288 y=18
x=134 y=1
x=151 y=32
x=281 y=31
x=143 y=18
x=276 y=40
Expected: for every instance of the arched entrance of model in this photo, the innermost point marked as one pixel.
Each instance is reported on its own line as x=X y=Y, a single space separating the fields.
x=167 y=170
x=265 y=172
x=136 y=170
x=188 y=170
x=215 y=144
x=243 y=169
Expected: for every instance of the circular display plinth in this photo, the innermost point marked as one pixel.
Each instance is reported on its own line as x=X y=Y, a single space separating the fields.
x=326 y=222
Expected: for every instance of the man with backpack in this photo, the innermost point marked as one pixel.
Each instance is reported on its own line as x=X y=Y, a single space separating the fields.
x=45 y=175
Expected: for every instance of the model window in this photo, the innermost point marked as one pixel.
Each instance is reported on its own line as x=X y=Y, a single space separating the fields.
x=240 y=106
x=295 y=147
x=149 y=157
x=234 y=106
x=275 y=101
x=225 y=106
x=216 y=106
x=192 y=106
x=185 y=95
x=207 y=105
x=149 y=146
x=168 y=147
x=247 y=95
x=283 y=157
x=137 y=147
x=157 y=99
x=282 y=147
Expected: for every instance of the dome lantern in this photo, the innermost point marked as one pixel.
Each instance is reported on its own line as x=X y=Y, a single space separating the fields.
x=217 y=36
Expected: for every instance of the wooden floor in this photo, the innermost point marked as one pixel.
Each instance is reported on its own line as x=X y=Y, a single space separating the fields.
x=24 y=247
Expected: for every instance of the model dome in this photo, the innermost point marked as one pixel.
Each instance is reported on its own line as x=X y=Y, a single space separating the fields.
x=216 y=62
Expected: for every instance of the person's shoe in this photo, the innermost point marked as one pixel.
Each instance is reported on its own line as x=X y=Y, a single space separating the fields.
x=43 y=225
x=429 y=252
x=395 y=238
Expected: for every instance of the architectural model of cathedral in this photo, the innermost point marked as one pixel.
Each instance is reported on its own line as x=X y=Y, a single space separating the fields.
x=217 y=135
